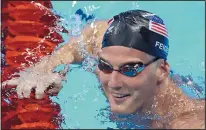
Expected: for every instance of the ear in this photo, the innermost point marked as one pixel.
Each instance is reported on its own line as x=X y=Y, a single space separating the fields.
x=163 y=70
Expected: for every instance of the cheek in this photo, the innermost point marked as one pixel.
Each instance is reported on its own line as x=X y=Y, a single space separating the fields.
x=148 y=82
x=103 y=78
x=142 y=84
x=139 y=81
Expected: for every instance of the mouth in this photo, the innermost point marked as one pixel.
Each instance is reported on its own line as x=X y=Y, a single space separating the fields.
x=119 y=96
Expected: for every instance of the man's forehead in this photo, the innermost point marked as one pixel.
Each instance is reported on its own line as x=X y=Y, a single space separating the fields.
x=121 y=59
x=124 y=53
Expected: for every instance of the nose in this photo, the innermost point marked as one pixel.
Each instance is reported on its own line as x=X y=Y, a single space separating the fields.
x=115 y=81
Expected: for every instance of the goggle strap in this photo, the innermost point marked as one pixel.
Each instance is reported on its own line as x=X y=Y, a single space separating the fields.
x=155 y=59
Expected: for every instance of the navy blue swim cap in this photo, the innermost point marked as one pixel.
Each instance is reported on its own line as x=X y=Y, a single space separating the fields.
x=140 y=30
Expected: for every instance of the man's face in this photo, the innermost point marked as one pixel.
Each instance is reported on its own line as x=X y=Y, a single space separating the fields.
x=127 y=94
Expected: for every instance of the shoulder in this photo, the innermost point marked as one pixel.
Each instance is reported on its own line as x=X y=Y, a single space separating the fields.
x=93 y=34
x=193 y=118
x=95 y=28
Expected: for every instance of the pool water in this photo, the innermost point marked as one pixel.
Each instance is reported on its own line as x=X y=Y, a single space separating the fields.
x=82 y=102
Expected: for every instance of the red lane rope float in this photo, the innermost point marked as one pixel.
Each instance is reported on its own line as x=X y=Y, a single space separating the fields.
x=26 y=12
x=27 y=26
x=35 y=125
x=23 y=42
x=44 y=3
x=28 y=111
x=33 y=28
x=17 y=58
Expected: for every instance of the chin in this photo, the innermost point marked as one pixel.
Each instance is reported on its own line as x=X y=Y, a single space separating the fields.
x=122 y=110
x=126 y=108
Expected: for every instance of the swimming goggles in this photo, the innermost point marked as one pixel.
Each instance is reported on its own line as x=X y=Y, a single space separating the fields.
x=129 y=69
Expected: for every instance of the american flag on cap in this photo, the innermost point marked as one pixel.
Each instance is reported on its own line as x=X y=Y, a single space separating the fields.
x=110 y=21
x=158 y=28
x=156 y=24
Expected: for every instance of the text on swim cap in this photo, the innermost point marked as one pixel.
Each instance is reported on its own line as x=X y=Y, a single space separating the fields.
x=161 y=46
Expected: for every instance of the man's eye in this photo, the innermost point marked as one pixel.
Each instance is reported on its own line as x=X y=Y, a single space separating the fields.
x=132 y=65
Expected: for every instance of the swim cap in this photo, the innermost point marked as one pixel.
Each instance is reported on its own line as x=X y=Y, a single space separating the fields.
x=140 y=30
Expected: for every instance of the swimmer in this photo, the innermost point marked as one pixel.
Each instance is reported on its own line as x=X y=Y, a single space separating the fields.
x=132 y=50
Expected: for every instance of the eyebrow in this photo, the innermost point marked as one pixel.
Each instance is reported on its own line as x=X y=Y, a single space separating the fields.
x=128 y=62
x=101 y=58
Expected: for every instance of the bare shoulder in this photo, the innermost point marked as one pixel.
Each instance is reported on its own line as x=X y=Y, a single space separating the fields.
x=180 y=111
x=101 y=25
x=93 y=34
x=193 y=118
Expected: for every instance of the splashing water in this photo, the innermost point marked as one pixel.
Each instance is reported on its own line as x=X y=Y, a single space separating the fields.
x=73 y=23
x=202 y=66
x=33 y=52
x=135 y=5
x=74 y=2
x=76 y=26
x=90 y=8
x=89 y=64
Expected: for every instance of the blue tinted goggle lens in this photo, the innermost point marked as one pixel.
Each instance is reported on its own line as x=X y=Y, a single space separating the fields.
x=129 y=70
